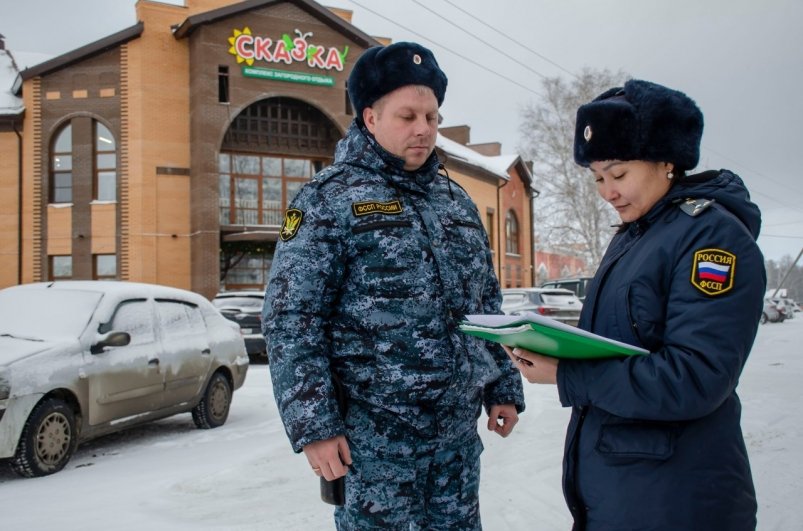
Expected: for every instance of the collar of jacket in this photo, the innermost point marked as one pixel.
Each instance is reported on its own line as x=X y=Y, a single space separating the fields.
x=726 y=188
x=360 y=148
x=641 y=225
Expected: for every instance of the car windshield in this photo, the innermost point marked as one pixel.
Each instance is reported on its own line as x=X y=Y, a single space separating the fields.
x=45 y=314
x=238 y=302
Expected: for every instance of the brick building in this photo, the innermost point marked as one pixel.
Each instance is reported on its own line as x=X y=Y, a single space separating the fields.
x=553 y=266
x=168 y=151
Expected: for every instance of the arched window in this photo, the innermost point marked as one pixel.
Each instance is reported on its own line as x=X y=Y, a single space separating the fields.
x=271 y=150
x=105 y=181
x=511 y=233
x=282 y=125
x=61 y=166
x=62 y=161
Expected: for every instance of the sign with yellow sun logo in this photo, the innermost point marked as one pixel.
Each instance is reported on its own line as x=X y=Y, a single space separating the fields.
x=250 y=49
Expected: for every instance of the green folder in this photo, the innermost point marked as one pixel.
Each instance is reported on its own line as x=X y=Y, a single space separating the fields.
x=545 y=336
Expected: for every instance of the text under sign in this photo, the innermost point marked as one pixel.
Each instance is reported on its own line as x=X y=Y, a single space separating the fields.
x=292 y=77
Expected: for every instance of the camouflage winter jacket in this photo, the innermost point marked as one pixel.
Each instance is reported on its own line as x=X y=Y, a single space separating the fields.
x=374 y=271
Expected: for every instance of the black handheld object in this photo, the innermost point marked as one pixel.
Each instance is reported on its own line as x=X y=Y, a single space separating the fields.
x=334 y=492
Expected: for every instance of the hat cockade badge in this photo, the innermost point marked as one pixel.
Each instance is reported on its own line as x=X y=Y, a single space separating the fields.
x=417 y=59
x=587 y=133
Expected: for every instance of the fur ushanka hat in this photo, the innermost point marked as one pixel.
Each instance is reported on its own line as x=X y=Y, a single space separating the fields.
x=381 y=70
x=640 y=121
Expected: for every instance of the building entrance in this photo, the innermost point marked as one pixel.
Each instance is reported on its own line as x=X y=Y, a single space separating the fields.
x=272 y=148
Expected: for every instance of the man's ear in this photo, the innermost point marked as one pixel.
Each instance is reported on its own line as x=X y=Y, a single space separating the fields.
x=369 y=118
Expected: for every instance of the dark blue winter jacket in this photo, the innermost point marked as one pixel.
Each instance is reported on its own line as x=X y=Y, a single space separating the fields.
x=654 y=441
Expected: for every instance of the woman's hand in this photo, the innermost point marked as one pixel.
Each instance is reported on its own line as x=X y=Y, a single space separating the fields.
x=534 y=367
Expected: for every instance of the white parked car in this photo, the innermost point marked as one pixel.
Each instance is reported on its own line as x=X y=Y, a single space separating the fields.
x=245 y=309
x=79 y=359
x=789 y=306
x=559 y=304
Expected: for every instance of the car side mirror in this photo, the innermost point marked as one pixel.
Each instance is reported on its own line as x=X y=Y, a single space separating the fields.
x=110 y=339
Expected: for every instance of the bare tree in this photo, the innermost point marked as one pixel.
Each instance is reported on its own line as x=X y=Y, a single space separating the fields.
x=787 y=274
x=570 y=217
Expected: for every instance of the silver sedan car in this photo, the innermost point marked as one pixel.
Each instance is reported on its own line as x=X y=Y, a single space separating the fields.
x=79 y=359
x=556 y=303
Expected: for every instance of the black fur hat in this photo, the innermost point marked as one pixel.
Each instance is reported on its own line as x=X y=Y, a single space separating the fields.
x=381 y=70
x=640 y=121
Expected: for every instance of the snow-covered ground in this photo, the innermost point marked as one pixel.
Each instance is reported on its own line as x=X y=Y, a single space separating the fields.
x=170 y=476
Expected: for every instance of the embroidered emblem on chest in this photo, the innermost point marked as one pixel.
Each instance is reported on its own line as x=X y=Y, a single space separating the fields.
x=291 y=224
x=389 y=208
x=713 y=271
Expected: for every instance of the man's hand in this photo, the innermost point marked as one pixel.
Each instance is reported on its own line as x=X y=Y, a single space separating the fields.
x=329 y=458
x=502 y=418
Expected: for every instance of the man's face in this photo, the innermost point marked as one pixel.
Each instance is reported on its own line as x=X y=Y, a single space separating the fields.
x=405 y=123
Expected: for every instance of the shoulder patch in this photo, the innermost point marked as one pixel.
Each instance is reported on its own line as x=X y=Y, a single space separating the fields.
x=291 y=224
x=695 y=207
x=328 y=172
x=388 y=208
x=713 y=270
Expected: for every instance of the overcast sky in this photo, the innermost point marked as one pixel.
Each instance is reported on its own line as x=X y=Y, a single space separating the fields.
x=741 y=60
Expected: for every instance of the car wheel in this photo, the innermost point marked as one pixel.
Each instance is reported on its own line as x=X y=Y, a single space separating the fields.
x=213 y=409
x=763 y=318
x=48 y=440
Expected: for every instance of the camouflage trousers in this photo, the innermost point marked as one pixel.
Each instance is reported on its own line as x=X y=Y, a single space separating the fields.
x=421 y=484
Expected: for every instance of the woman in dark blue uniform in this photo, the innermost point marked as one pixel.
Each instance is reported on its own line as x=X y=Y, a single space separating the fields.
x=654 y=441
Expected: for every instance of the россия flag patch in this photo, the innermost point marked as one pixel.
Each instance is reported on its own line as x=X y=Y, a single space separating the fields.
x=713 y=271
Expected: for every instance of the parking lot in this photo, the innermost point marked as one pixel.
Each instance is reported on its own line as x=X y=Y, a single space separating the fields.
x=243 y=476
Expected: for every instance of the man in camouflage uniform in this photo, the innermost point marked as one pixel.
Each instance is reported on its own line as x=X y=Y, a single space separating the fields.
x=379 y=260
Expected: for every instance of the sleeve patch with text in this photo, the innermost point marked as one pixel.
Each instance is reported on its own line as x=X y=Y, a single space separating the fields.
x=389 y=208
x=713 y=271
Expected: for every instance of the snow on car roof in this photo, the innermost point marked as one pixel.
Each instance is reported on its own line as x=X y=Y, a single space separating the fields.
x=120 y=288
x=254 y=293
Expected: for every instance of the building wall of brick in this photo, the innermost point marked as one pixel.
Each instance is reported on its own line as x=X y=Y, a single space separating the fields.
x=517 y=267
x=210 y=118
x=9 y=207
x=104 y=228
x=158 y=112
x=158 y=95
x=553 y=266
x=59 y=231
x=32 y=201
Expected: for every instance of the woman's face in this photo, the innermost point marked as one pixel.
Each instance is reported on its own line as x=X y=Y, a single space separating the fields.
x=632 y=187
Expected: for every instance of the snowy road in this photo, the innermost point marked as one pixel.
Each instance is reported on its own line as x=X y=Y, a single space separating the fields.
x=169 y=476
